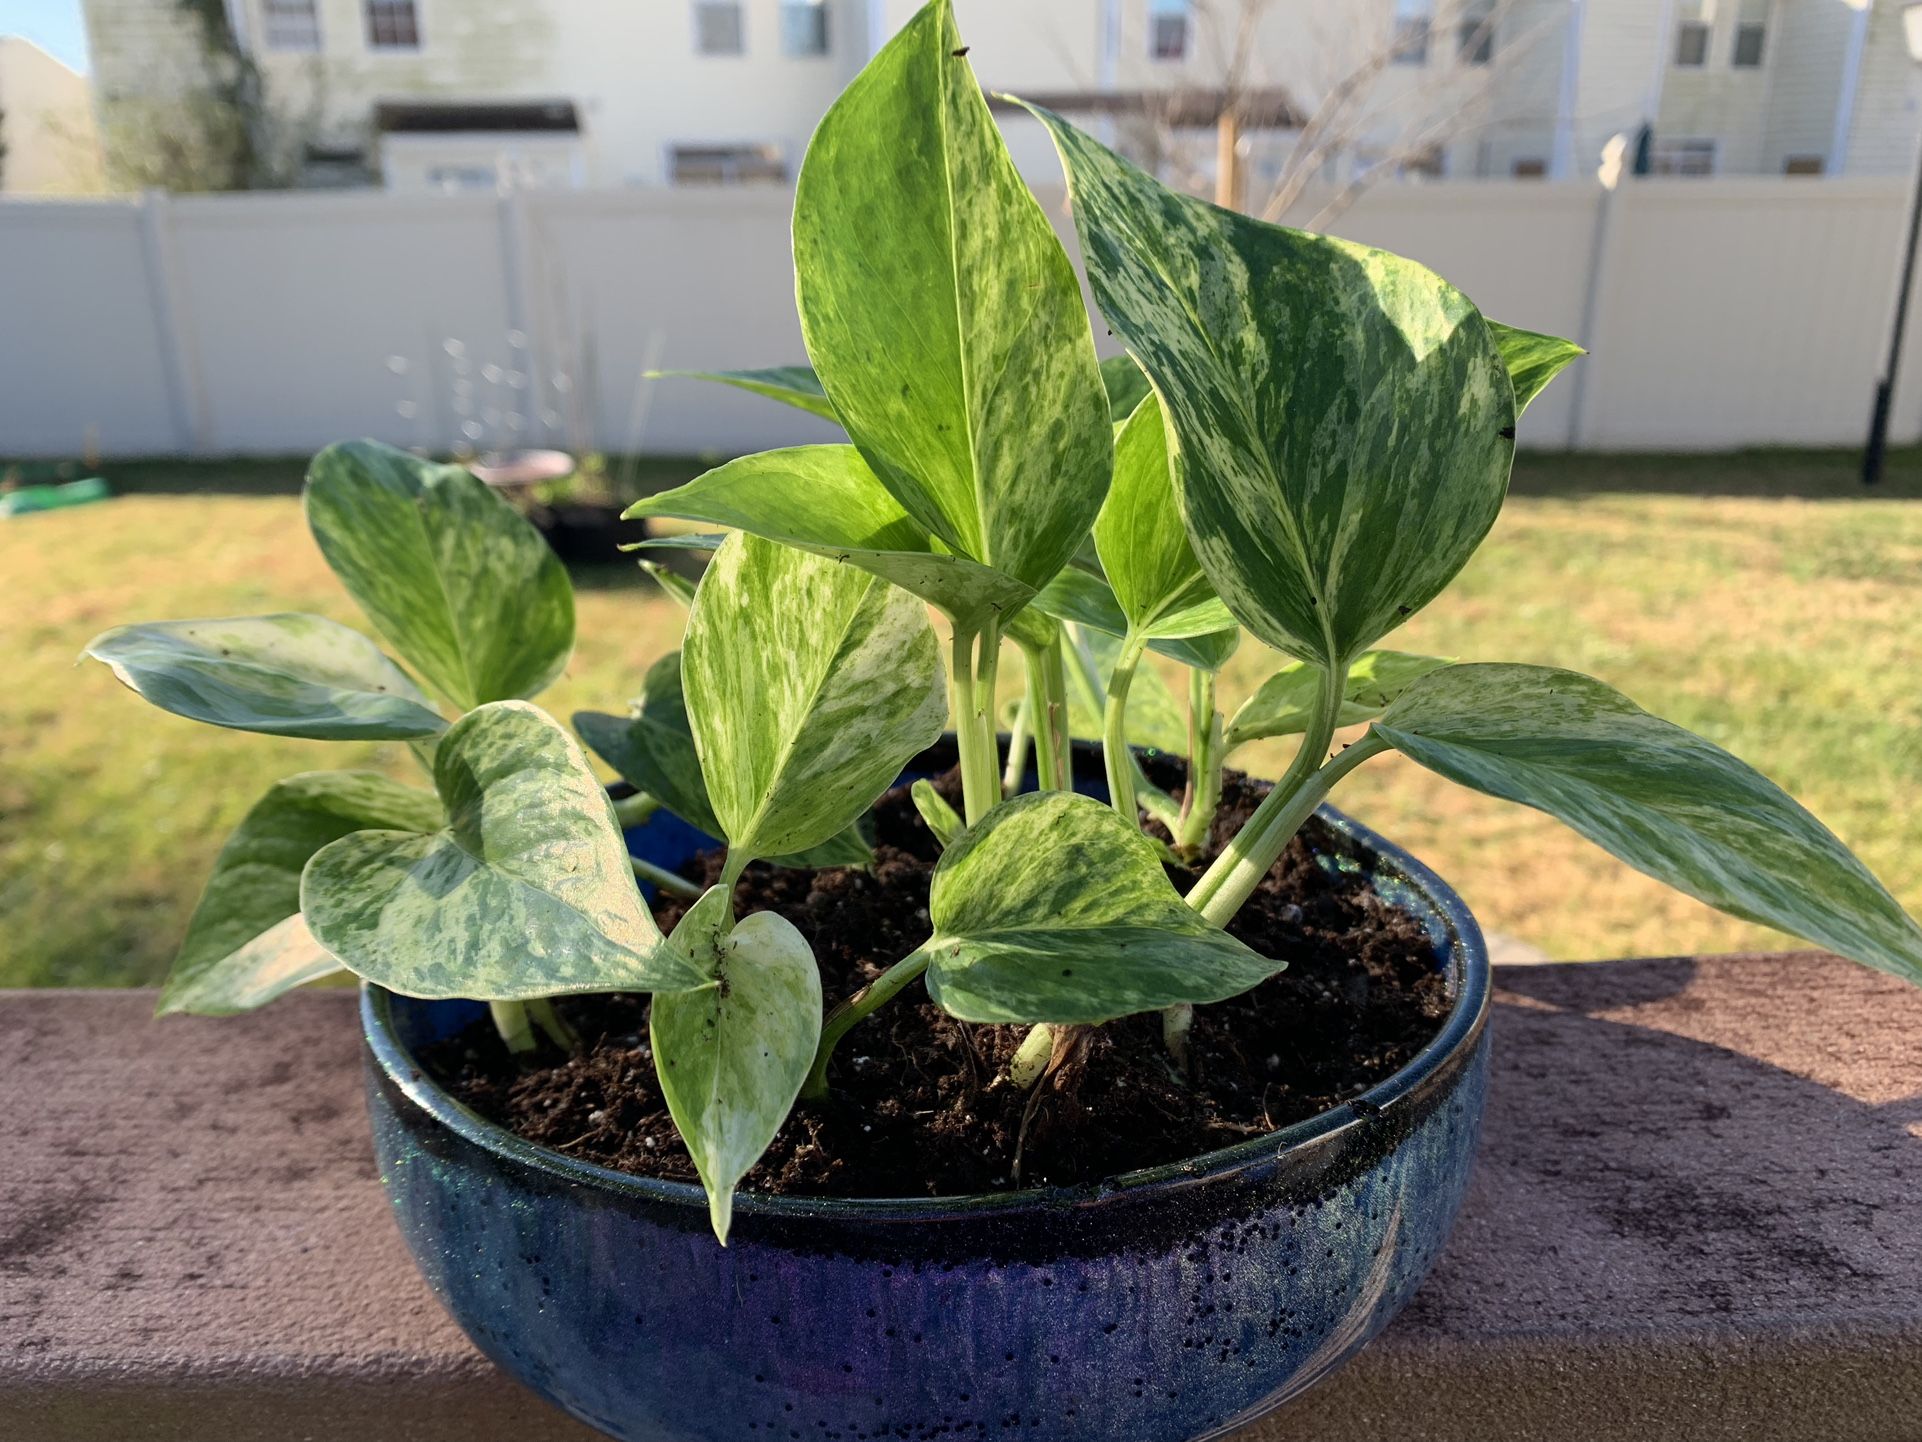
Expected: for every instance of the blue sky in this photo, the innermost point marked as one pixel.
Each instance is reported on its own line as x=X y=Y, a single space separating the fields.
x=54 y=25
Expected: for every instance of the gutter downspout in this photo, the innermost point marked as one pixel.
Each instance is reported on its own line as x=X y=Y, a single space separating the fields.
x=1851 y=86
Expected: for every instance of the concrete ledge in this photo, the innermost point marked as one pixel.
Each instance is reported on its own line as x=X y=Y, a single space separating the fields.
x=1697 y=1213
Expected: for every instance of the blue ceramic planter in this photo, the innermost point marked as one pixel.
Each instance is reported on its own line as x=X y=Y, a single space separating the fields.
x=1164 y=1306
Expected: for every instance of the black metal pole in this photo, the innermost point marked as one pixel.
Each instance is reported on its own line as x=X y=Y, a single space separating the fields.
x=1878 y=445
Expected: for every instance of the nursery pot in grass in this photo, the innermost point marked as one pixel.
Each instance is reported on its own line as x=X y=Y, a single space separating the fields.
x=1166 y=1305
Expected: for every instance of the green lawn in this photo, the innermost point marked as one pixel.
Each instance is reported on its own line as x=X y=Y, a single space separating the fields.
x=1760 y=599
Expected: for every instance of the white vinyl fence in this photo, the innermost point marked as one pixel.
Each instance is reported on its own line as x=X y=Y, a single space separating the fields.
x=1719 y=313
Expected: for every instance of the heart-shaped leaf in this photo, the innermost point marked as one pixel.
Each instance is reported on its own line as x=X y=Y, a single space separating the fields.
x=824 y=499
x=464 y=588
x=1125 y=384
x=731 y=1056
x=809 y=686
x=247 y=943
x=653 y=750
x=1144 y=549
x=1533 y=359
x=287 y=675
x=526 y=891
x=942 y=315
x=1020 y=934
x=1284 y=704
x=795 y=386
x=1086 y=599
x=1342 y=418
x=1662 y=799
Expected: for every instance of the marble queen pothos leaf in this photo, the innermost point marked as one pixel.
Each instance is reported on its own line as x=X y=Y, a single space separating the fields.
x=653 y=750
x=795 y=386
x=1533 y=359
x=1343 y=420
x=464 y=588
x=285 y=675
x=809 y=685
x=1284 y=704
x=247 y=943
x=1087 y=599
x=943 y=316
x=826 y=500
x=731 y=1055
x=1664 y=800
x=525 y=891
x=1020 y=934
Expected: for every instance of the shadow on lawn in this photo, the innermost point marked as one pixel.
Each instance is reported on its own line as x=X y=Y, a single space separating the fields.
x=1830 y=475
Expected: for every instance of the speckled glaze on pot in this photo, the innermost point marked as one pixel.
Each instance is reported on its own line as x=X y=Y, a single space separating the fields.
x=1164 y=1306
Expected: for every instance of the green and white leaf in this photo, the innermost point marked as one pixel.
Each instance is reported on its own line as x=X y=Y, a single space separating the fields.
x=826 y=500
x=1342 y=419
x=464 y=588
x=247 y=943
x=1662 y=799
x=285 y=675
x=524 y=892
x=1144 y=549
x=1532 y=358
x=1284 y=704
x=809 y=685
x=1087 y=600
x=653 y=750
x=672 y=583
x=795 y=386
x=943 y=316
x=1021 y=936
x=1125 y=384
x=731 y=1055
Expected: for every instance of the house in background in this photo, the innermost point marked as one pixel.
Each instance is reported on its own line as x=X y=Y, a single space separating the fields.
x=465 y=94
x=47 y=141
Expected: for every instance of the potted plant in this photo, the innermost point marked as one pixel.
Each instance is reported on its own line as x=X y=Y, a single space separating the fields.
x=1035 y=1134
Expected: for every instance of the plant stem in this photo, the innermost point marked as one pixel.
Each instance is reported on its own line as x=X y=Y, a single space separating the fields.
x=1050 y=700
x=973 y=729
x=514 y=1025
x=1226 y=885
x=664 y=879
x=852 y=1012
x=542 y=1013
x=1115 y=755
x=1030 y=1061
x=633 y=810
x=1156 y=802
x=1204 y=763
x=1017 y=764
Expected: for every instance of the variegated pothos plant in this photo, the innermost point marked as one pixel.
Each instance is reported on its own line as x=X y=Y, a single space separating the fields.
x=1305 y=443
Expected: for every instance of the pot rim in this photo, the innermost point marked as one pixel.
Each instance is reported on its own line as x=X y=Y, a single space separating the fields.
x=1394 y=1093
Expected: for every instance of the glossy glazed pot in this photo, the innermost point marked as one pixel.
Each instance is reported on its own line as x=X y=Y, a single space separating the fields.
x=1163 y=1306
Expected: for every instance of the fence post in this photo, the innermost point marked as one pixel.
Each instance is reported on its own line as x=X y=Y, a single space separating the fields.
x=1603 y=256
x=173 y=322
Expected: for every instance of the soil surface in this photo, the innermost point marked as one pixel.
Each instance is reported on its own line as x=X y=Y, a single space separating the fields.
x=920 y=1105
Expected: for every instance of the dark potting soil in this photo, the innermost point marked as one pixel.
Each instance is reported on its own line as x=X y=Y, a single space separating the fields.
x=918 y=1106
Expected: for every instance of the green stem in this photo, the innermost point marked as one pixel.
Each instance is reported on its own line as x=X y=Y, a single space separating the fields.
x=1053 y=760
x=542 y=1013
x=852 y=1012
x=515 y=1026
x=1017 y=765
x=1267 y=833
x=980 y=768
x=665 y=880
x=1204 y=763
x=1115 y=754
x=633 y=810
x=1246 y=859
x=1030 y=1060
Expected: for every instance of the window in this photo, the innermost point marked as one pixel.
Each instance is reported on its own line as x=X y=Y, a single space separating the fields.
x=1531 y=167
x=1477 y=36
x=1412 y=21
x=462 y=177
x=1804 y=165
x=1168 y=29
x=392 y=25
x=1683 y=157
x=1691 y=44
x=727 y=165
x=290 y=24
x=718 y=28
x=804 y=27
x=1750 y=40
